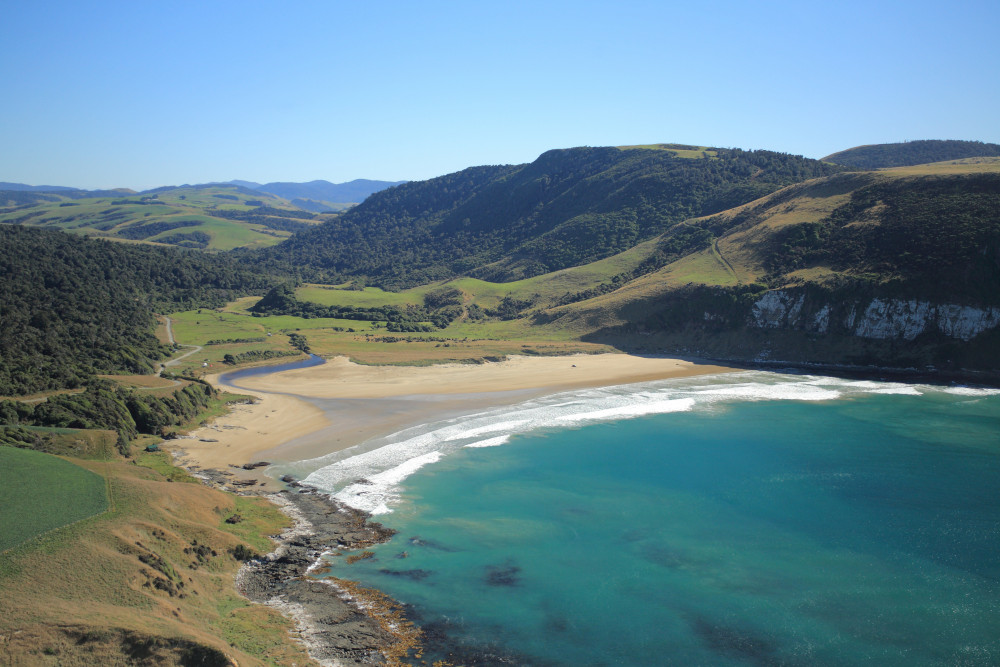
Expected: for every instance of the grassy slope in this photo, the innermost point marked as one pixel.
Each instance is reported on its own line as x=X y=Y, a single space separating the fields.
x=737 y=257
x=100 y=217
x=40 y=492
x=129 y=579
x=743 y=248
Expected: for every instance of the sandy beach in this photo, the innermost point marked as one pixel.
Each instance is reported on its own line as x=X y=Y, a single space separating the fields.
x=236 y=437
x=312 y=411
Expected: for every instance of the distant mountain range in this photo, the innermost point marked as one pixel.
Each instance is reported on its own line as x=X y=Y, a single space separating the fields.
x=21 y=187
x=351 y=192
x=316 y=196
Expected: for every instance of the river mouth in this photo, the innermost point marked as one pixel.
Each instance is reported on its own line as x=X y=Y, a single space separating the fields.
x=232 y=376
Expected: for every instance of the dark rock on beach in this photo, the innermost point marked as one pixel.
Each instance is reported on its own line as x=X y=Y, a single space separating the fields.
x=333 y=629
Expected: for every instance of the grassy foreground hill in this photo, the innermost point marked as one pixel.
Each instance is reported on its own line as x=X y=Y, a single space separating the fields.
x=138 y=572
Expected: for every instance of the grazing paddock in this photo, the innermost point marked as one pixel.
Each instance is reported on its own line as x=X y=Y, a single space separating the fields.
x=40 y=492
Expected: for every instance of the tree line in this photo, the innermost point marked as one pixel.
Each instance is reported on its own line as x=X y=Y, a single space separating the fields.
x=72 y=308
x=109 y=406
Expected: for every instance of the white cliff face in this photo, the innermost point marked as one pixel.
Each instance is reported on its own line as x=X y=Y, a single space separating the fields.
x=895 y=318
x=880 y=319
x=777 y=309
x=821 y=320
x=965 y=322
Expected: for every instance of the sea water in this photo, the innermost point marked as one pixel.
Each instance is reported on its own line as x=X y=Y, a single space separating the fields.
x=742 y=519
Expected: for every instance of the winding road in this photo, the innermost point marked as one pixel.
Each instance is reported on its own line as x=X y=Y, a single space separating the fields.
x=170 y=337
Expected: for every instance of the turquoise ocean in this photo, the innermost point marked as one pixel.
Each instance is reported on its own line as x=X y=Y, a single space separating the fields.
x=751 y=518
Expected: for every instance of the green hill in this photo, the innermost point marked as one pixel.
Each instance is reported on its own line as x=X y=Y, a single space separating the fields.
x=897 y=268
x=212 y=217
x=72 y=307
x=503 y=223
x=879 y=156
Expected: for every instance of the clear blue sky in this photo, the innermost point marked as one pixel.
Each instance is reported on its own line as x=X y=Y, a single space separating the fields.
x=143 y=94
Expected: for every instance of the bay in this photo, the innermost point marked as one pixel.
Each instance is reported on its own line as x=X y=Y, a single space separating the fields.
x=782 y=520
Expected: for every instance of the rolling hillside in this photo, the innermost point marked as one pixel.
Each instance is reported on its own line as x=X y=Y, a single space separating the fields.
x=897 y=268
x=879 y=156
x=202 y=217
x=566 y=208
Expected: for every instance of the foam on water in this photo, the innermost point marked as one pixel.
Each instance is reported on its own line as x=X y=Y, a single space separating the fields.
x=630 y=410
x=489 y=428
x=971 y=391
x=375 y=493
x=491 y=442
x=385 y=463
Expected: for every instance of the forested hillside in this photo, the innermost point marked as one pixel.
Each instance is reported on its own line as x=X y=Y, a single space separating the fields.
x=71 y=307
x=878 y=156
x=892 y=268
x=501 y=223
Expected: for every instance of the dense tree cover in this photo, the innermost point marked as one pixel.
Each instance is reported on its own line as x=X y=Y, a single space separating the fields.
x=878 y=156
x=442 y=297
x=139 y=232
x=504 y=222
x=71 y=307
x=255 y=355
x=230 y=341
x=106 y=405
x=196 y=239
x=272 y=218
x=938 y=235
x=281 y=301
x=509 y=308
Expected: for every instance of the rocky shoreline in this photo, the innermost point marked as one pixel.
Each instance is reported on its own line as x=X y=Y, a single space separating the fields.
x=340 y=623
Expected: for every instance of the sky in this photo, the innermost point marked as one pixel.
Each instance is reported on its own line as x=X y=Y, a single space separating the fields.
x=145 y=94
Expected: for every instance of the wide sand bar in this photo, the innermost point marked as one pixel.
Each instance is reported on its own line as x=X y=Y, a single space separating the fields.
x=313 y=411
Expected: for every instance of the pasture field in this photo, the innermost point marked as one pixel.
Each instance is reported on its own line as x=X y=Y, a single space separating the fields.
x=144 y=218
x=972 y=165
x=368 y=343
x=545 y=290
x=40 y=492
x=694 y=152
x=132 y=575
